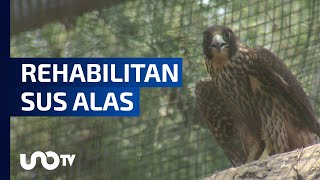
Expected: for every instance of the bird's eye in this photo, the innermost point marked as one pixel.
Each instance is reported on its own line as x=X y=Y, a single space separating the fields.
x=226 y=35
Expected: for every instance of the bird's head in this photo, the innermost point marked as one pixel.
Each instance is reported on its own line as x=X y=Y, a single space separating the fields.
x=219 y=44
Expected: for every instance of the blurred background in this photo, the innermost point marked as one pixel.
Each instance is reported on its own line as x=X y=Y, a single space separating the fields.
x=169 y=140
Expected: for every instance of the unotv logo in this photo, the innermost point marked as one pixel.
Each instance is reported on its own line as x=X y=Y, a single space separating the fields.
x=43 y=157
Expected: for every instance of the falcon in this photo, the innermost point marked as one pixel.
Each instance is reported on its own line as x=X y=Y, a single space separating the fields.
x=253 y=104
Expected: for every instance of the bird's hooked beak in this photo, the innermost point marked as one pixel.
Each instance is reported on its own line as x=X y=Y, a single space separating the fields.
x=218 y=43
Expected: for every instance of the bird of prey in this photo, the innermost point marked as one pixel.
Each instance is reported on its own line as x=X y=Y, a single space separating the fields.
x=253 y=104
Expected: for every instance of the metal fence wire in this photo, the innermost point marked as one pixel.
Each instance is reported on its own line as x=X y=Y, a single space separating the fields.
x=169 y=140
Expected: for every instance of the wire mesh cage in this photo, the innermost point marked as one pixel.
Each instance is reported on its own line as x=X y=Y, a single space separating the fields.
x=169 y=140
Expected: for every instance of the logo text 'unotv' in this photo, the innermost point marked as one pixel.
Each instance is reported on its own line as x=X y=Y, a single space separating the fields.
x=43 y=157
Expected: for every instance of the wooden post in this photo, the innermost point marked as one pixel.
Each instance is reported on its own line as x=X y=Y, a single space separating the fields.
x=300 y=164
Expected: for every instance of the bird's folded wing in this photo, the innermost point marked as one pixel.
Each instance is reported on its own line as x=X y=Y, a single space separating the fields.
x=276 y=72
x=220 y=121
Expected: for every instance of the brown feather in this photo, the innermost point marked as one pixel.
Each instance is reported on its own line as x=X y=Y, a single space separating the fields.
x=287 y=84
x=260 y=92
x=230 y=133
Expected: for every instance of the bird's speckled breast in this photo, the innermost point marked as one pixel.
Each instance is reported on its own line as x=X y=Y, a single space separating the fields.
x=250 y=100
x=234 y=83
